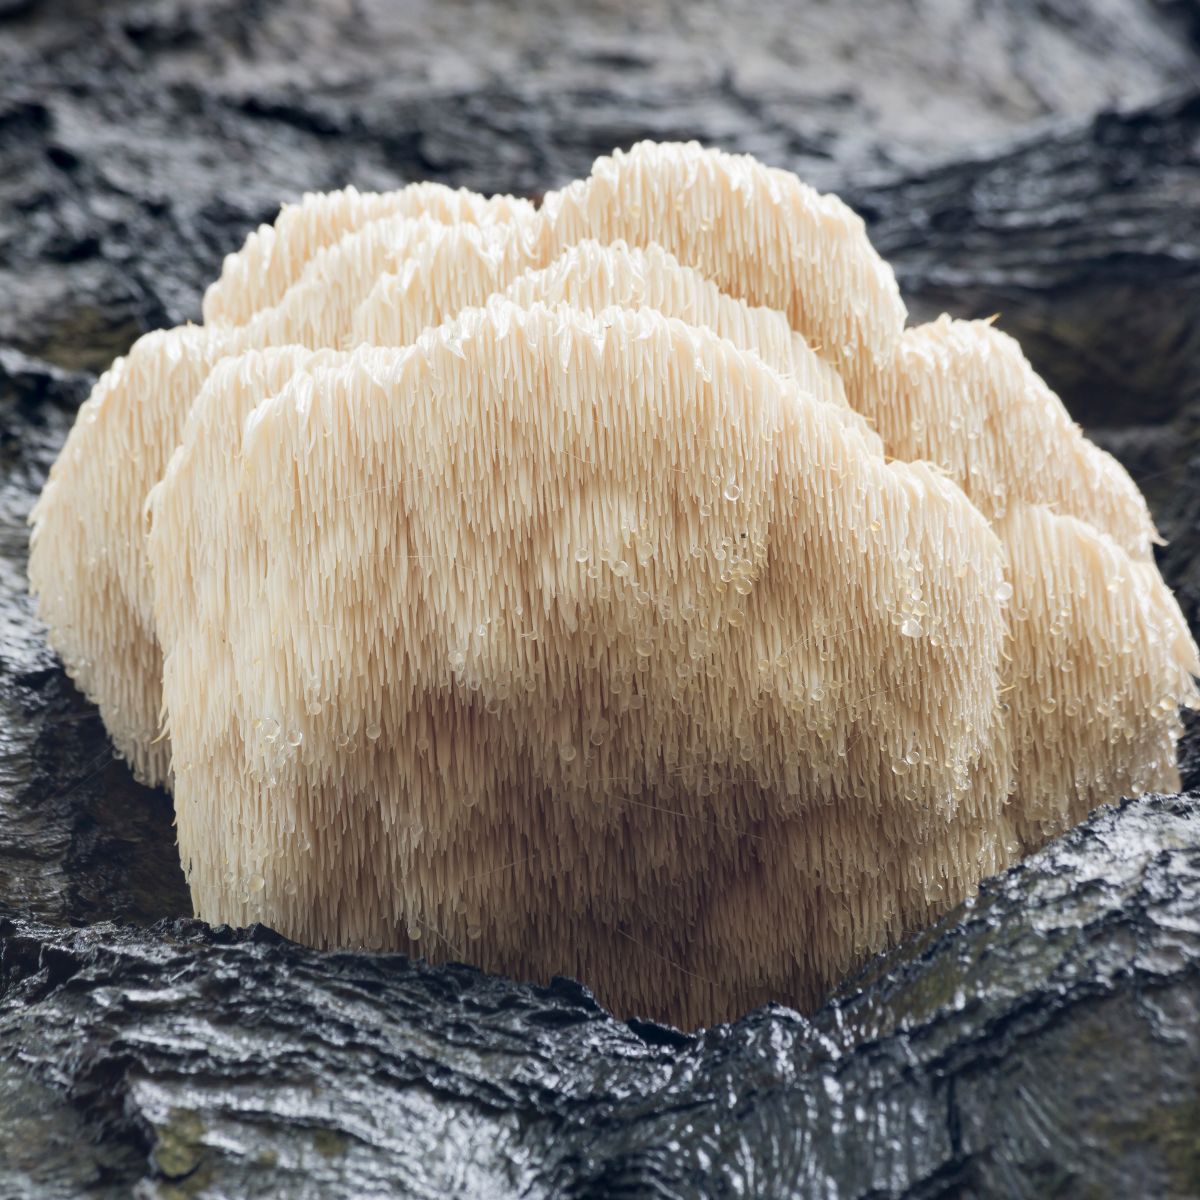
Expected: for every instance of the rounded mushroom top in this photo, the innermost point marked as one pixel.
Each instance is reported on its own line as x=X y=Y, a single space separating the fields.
x=274 y=256
x=757 y=233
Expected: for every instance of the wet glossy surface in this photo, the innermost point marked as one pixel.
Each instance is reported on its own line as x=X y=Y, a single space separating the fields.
x=1044 y=1040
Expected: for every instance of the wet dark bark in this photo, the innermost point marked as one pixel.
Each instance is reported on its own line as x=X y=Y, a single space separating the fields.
x=1044 y=1040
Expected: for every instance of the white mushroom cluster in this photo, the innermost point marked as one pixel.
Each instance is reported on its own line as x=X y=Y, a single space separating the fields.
x=612 y=588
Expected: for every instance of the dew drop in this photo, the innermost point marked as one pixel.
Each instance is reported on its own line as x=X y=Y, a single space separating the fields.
x=910 y=627
x=732 y=491
x=257 y=883
x=373 y=731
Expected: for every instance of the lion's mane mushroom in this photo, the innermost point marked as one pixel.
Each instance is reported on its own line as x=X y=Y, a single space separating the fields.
x=87 y=562
x=757 y=233
x=959 y=394
x=87 y=540
x=274 y=256
x=614 y=588
x=439 y=269
x=1100 y=661
x=592 y=276
x=962 y=394
x=569 y=558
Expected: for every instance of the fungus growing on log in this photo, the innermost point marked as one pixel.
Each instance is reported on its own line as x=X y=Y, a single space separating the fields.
x=527 y=509
x=615 y=588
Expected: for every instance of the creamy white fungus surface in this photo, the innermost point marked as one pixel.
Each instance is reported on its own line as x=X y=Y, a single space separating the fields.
x=614 y=587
